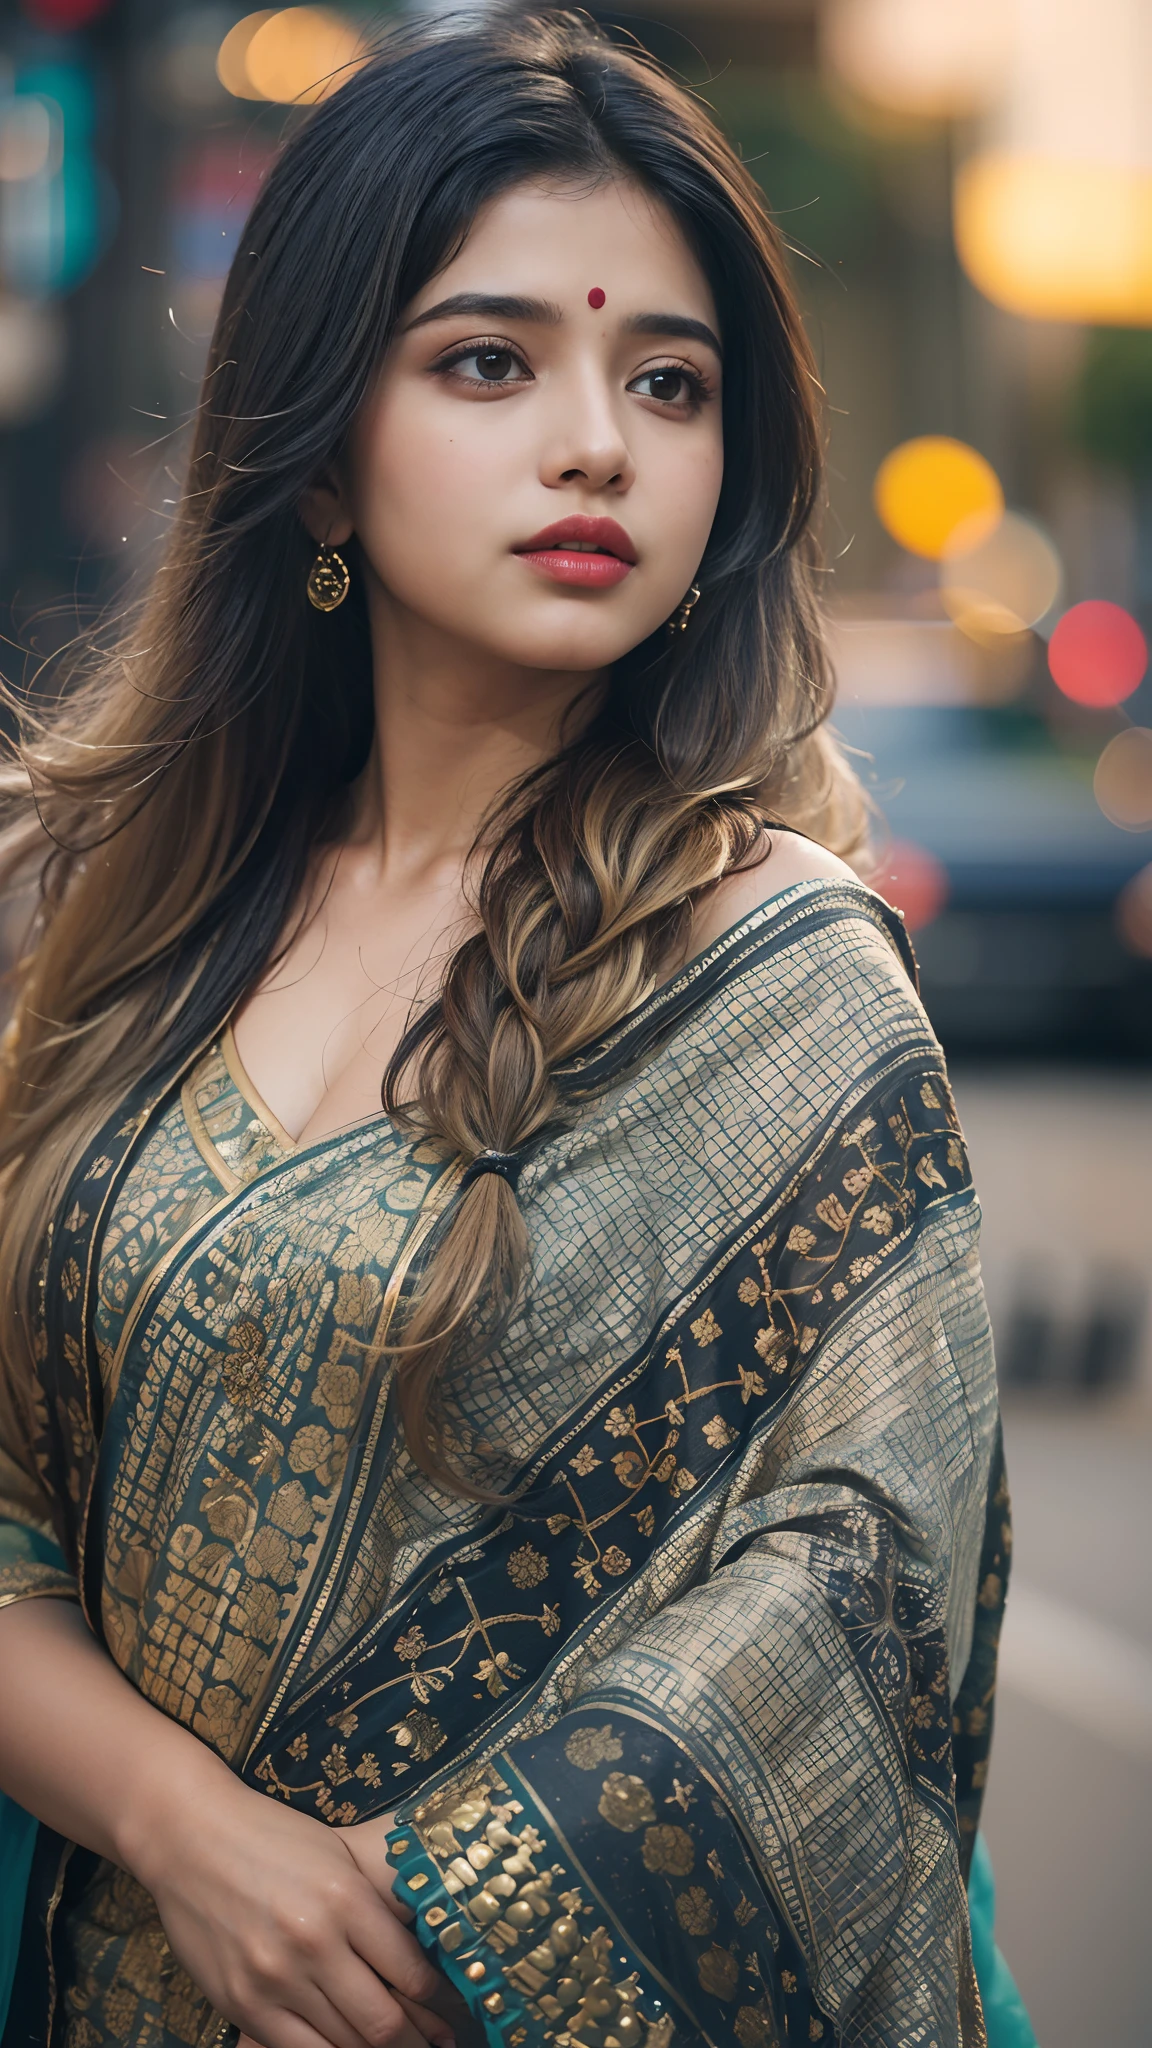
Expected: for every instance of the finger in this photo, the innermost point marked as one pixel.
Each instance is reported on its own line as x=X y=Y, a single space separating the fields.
x=367 y=1844
x=360 y=2000
x=428 y=2024
x=316 y=2011
x=284 y=2030
x=393 y=1953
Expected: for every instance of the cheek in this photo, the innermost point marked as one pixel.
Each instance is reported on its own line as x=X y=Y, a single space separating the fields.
x=680 y=477
x=703 y=477
x=418 y=486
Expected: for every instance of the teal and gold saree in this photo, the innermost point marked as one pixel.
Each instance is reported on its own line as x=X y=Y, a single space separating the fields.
x=686 y=1744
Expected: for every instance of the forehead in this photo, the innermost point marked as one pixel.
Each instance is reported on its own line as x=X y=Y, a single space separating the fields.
x=558 y=241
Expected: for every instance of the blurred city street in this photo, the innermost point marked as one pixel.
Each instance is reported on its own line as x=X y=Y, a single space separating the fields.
x=1069 y=1813
x=1063 y=1162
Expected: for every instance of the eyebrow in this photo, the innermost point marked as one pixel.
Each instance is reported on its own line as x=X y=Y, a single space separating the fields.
x=676 y=326
x=488 y=306
x=501 y=306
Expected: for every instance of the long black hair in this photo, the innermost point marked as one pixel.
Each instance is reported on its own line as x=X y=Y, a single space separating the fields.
x=190 y=777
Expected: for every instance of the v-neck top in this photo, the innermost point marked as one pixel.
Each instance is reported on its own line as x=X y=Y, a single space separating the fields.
x=215 y=1136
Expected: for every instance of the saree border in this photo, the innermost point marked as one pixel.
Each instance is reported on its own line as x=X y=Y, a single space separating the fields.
x=630 y=1711
x=433 y=1564
x=470 y=1747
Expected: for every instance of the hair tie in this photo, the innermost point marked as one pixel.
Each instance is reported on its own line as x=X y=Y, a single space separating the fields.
x=506 y=1164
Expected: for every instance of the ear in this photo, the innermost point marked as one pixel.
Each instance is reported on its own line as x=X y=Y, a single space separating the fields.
x=325 y=513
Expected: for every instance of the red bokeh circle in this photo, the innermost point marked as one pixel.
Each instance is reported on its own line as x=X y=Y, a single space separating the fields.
x=1097 y=654
x=64 y=14
x=912 y=880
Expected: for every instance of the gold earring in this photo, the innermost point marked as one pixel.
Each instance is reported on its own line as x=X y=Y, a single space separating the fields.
x=678 y=623
x=329 y=580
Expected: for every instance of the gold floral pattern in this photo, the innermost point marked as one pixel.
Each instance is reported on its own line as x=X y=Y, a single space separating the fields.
x=719 y=1972
x=668 y=1848
x=588 y=1747
x=696 y=1911
x=625 y=1802
x=242 y=1372
x=527 y=1566
x=754 y=2027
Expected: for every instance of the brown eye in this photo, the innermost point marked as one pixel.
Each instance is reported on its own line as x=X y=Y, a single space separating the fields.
x=494 y=364
x=670 y=386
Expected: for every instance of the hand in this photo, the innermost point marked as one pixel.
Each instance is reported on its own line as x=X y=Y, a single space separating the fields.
x=367 y=1844
x=271 y=1915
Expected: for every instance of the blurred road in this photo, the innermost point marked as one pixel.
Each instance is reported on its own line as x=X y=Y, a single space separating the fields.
x=1069 y=1811
x=1063 y=1163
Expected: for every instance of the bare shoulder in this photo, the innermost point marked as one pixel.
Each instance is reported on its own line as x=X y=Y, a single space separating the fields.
x=792 y=859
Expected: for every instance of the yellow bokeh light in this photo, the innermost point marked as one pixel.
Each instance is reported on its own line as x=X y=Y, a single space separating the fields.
x=1057 y=239
x=232 y=56
x=933 y=59
x=927 y=488
x=294 y=55
x=1123 y=779
x=302 y=54
x=999 y=582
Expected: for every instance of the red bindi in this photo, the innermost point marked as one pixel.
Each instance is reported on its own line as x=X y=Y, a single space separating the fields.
x=596 y=298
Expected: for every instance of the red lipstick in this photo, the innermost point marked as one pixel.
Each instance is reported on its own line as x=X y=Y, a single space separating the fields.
x=592 y=554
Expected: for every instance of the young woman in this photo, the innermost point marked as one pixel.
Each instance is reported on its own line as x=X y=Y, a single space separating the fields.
x=490 y=1311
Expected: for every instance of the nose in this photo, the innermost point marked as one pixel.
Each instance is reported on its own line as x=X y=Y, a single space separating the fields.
x=586 y=443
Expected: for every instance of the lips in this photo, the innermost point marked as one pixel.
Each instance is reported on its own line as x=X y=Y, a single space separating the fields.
x=591 y=554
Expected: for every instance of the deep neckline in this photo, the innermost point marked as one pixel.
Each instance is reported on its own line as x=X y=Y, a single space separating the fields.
x=245 y=1086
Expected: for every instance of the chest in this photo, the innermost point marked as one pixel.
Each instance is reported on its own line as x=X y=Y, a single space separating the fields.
x=318 y=1034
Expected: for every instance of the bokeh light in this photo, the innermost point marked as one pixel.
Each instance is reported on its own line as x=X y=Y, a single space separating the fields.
x=1134 y=914
x=912 y=880
x=1123 y=779
x=232 y=56
x=925 y=489
x=1097 y=654
x=64 y=14
x=28 y=139
x=1001 y=582
x=928 y=58
x=294 y=55
x=1057 y=239
x=31 y=358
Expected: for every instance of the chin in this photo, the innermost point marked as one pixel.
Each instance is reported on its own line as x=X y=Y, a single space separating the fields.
x=569 y=657
x=576 y=643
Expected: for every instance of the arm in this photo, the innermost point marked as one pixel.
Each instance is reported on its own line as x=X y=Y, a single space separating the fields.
x=267 y=1909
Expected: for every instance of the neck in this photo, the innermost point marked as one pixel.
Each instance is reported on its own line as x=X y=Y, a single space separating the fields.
x=454 y=727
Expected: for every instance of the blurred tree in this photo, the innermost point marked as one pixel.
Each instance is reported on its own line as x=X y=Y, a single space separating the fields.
x=1111 y=421
x=1112 y=400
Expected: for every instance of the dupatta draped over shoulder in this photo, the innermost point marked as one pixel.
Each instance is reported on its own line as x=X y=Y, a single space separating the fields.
x=686 y=1743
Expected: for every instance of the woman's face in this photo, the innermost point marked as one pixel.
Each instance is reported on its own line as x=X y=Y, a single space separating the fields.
x=537 y=471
